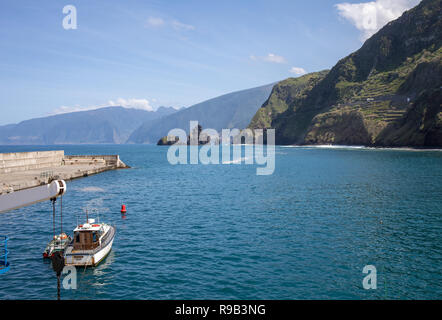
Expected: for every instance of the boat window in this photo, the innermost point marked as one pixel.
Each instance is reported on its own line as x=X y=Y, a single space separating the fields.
x=85 y=240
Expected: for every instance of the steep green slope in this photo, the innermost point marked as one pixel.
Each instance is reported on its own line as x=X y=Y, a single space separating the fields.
x=285 y=94
x=233 y=110
x=372 y=96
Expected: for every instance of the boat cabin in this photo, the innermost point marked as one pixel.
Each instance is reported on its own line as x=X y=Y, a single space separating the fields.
x=87 y=236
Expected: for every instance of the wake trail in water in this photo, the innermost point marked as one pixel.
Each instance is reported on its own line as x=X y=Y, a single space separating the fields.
x=236 y=160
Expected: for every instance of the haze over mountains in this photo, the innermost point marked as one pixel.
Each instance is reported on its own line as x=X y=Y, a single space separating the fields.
x=105 y=125
x=233 y=110
x=116 y=125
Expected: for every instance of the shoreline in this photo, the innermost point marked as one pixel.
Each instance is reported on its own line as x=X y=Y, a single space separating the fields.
x=312 y=146
x=343 y=146
x=338 y=146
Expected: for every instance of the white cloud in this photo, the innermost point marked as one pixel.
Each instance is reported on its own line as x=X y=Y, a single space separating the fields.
x=182 y=26
x=271 y=57
x=66 y=109
x=132 y=103
x=274 y=58
x=155 y=22
x=298 y=71
x=369 y=17
x=142 y=104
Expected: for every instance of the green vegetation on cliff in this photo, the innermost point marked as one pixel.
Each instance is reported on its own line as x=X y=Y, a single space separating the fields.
x=285 y=94
x=386 y=94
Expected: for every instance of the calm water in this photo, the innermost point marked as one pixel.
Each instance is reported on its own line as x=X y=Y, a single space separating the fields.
x=221 y=232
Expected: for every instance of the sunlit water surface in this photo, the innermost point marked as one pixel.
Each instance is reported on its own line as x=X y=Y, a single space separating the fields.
x=222 y=232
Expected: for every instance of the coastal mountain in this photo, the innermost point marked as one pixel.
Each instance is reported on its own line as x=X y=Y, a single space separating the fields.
x=388 y=93
x=104 y=125
x=233 y=110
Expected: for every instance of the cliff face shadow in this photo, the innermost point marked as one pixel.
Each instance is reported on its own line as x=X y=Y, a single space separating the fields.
x=421 y=125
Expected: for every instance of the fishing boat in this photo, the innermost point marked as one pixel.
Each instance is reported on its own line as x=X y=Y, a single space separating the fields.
x=91 y=245
x=58 y=243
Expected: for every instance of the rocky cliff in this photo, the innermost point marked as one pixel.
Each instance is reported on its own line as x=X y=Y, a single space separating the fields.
x=388 y=93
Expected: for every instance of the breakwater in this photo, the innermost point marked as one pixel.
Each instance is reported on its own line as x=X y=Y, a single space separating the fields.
x=22 y=170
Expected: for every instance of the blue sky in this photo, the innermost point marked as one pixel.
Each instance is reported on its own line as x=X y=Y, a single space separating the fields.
x=175 y=53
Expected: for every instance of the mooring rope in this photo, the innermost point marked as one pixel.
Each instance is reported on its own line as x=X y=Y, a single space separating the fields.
x=53 y=216
x=56 y=258
x=61 y=214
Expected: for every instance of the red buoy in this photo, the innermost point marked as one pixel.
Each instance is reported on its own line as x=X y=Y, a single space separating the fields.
x=123 y=208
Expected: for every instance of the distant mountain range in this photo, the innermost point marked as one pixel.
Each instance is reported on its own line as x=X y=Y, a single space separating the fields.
x=388 y=93
x=105 y=125
x=233 y=110
x=117 y=125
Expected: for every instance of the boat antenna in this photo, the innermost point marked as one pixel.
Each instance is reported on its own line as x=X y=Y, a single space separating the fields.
x=87 y=217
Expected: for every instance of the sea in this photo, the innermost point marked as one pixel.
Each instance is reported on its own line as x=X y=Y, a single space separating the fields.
x=195 y=231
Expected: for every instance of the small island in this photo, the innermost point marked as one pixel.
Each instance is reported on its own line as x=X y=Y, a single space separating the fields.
x=197 y=131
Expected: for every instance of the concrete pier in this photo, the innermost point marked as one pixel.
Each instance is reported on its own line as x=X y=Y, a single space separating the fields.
x=24 y=170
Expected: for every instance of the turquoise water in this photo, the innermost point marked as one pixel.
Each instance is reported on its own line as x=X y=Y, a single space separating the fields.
x=222 y=232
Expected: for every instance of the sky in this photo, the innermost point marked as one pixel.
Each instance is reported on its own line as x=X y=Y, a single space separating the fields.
x=146 y=54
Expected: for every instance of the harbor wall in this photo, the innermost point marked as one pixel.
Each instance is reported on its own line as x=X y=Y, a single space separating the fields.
x=24 y=170
x=24 y=161
x=107 y=160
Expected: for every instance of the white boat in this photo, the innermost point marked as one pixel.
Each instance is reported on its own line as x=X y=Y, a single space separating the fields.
x=91 y=245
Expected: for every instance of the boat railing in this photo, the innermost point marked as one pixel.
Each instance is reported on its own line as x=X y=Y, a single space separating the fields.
x=4 y=264
x=104 y=238
x=107 y=236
